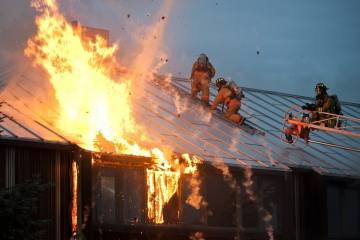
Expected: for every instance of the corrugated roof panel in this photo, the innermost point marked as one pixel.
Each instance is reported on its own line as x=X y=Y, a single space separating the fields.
x=207 y=131
x=21 y=126
x=164 y=130
x=17 y=130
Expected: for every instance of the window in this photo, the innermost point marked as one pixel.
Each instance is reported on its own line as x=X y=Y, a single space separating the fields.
x=119 y=195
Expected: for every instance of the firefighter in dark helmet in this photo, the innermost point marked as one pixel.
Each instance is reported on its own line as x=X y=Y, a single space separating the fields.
x=201 y=74
x=230 y=95
x=324 y=103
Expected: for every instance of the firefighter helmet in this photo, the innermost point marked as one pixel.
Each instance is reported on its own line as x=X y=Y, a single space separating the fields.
x=220 y=82
x=203 y=59
x=203 y=56
x=321 y=85
x=320 y=88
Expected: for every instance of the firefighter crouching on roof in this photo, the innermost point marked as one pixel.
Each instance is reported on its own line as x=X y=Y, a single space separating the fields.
x=231 y=99
x=201 y=74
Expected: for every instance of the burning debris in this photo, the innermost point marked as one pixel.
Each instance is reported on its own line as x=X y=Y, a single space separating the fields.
x=74 y=209
x=163 y=184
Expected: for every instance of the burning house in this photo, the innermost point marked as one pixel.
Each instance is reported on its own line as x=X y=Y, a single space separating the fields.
x=247 y=187
x=159 y=165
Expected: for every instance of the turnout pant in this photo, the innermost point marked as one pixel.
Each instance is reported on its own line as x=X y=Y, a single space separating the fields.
x=200 y=83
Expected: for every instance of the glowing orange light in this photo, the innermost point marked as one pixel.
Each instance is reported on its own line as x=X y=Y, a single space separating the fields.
x=74 y=211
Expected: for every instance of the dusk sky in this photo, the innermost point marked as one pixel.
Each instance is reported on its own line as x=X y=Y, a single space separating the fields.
x=299 y=42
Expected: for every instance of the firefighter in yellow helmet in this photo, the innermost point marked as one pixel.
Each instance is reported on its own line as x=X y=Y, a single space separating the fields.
x=231 y=99
x=201 y=74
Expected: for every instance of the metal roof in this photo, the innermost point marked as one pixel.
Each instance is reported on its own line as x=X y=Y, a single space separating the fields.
x=17 y=125
x=171 y=117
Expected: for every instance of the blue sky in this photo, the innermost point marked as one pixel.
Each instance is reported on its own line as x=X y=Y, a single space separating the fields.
x=300 y=42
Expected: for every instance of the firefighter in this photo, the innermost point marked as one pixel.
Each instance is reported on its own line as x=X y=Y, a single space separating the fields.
x=201 y=74
x=231 y=99
x=323 y=103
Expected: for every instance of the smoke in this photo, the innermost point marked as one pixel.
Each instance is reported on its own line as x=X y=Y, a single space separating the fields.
x=269 y=151
x=267 y=217
x=234 y=141
x=181 y=104
x=248 y=184
x=150 y=47
x=219 y=164
x=249 y=190
x=195 y=199
x=16 y=24
x=205 y=114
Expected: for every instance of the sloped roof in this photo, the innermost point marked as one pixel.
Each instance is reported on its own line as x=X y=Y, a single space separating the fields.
x=173 y=118
x=15 y=124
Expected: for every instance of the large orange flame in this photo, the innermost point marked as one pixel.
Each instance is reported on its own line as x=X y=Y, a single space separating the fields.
x=94 y=103
x=90 y=101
